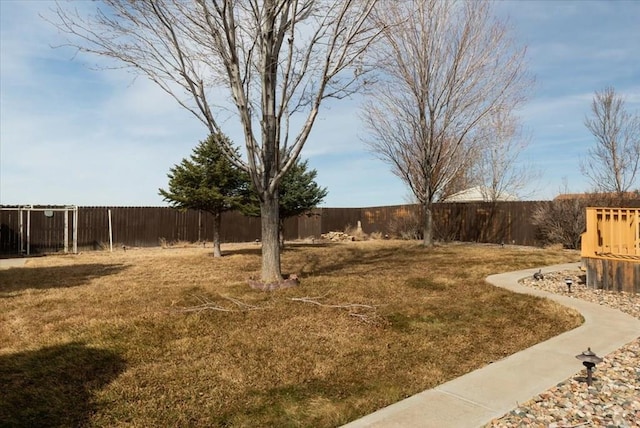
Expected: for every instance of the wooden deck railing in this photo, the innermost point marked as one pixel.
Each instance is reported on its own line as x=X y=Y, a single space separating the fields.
x=612 y=233
x=611 y=249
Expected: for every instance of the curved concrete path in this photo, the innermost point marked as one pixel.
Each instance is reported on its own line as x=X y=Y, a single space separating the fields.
x=478 y=397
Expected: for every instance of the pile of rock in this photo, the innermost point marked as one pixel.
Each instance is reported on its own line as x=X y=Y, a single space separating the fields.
x=337 y=237
x=554 y=282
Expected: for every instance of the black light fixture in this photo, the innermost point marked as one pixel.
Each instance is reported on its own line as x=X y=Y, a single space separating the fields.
x=589 y=360
x=569 y=283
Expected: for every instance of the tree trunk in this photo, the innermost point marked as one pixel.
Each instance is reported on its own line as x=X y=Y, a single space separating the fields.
x=428 y=225
x=271 y=272
x=217 y=221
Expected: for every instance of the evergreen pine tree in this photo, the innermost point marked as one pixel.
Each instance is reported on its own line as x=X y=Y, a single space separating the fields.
x=299 y=193
x=207 y=181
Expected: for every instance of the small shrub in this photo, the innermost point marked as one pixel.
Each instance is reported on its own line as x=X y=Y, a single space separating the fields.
x=561 y=221
x=102 y=246
x=376 y=236
x=406 y=225
x=177 y=244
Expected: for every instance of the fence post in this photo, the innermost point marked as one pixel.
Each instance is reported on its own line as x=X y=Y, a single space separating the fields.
x=75 y=229
x=28 y=232
x=66 y=230
x=110 y=232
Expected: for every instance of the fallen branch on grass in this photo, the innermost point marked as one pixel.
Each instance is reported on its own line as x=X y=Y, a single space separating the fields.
x=354 y=309
x=207 y=305
x=314 y=301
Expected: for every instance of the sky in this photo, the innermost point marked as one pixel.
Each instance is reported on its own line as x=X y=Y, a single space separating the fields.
x=70 y=134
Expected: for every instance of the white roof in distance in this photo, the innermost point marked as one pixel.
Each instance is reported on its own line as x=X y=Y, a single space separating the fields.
x=478 y=194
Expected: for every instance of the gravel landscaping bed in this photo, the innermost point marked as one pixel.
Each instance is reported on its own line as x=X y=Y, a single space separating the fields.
x=613 y=400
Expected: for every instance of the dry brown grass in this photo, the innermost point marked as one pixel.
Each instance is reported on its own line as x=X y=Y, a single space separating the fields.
x=103 y=339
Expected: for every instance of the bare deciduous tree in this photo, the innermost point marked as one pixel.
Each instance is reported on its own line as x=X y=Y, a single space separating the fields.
x=561 y=221
x=275 y=59
x=613 y=164
x=446 y=67
x=496 y=168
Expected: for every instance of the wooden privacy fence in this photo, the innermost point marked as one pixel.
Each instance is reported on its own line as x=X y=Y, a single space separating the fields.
x=611 y=248
x=502 y=222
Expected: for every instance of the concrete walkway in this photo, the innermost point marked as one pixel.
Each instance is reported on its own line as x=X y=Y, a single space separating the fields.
x=9 y=263
x=478 y=397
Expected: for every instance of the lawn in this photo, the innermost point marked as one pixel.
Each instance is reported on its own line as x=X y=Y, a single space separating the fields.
x=174 y=337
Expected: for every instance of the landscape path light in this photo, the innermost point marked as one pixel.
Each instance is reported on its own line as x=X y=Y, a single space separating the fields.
x=569 y=282
x=589 y=360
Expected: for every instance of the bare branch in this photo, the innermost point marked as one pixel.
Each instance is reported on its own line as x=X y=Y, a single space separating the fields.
x=207 y=305
x=354 y=309
x=243 y=305
x=496 y=168
x=613 y=164
x=314 y=301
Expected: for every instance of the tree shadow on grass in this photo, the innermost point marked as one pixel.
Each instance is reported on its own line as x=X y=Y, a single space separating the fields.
x=297 y=246
x=288 y=247
x=256 y=251
x=366 y=261
x=39 y=278
x=54 y=387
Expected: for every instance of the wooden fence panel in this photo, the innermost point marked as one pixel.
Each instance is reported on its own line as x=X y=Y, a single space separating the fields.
x=93 y=228
x=338 y=219
x=508 y=222
x=310 y=225
x=378 y=219
x=9 y=232
x=239 y=228
x=448 y=221
x=47 y=233
x=522 y=230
